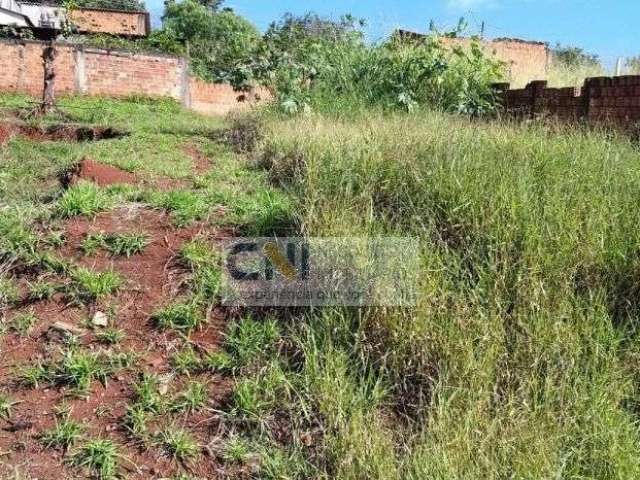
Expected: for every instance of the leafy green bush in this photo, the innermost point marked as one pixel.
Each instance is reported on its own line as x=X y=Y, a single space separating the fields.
x=316 y=63
x=221 y=43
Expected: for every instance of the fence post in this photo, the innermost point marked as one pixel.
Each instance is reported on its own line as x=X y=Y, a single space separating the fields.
x=80 y=77
x=185 y=94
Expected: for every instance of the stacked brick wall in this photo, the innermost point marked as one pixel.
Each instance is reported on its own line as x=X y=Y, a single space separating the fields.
x=133 y=24
x=613 y=100
x=88 y=71
x=122 y=74
x=22 y=70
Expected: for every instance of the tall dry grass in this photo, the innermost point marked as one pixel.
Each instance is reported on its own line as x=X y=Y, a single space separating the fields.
x=521 y=359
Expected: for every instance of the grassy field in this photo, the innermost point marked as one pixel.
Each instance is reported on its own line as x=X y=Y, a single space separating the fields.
x=519 y=362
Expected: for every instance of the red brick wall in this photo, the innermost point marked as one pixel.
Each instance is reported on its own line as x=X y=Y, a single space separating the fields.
x=135 y=24
x=21 y=68
x=116 y=73
x=600 y=100
x=218 y=99
x=122 y=74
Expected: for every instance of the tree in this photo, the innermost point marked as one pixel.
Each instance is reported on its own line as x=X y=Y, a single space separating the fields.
x=573 y=57
x=633 y=65
x=220 y=43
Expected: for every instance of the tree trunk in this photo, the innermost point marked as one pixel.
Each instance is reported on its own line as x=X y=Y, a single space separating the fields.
x=48 y=92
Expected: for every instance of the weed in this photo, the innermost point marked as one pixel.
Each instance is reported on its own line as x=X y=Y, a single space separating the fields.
x=250 y=340
x=208 y=282
x=198 y=253
x=256 y=396
x=193 y=398
x=110 y=336
x=178 y=443
x=100 y=456
x=42 y=290
x=91 y=244
x=185 y=206
x=83 y=199
x=218 y=361
x=126 y=245
x=55 y=239
x=9 y=292
x=78 y=368
x=6 y=405
x=91 y=285
x=179 y=316
x=236 y=449
x=64 y=434
x=31 y=376
x=136 y=420
x=147 y=394
x=22 y=323
x=186 y=361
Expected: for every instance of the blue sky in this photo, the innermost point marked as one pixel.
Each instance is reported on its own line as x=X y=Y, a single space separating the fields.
x=609 y=29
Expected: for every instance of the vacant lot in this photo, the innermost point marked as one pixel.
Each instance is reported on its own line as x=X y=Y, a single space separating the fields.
x=520 y=361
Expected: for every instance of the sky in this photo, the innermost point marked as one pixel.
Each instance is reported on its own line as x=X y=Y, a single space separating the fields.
x=609 y=29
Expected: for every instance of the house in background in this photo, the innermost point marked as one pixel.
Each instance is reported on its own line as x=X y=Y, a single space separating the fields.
x=524 y=60
x=40 y=16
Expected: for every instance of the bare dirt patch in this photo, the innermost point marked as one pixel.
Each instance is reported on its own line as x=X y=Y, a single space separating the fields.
x=153 y=279
x=98 y=173
x=58 y=133
x=105 y=175
x=201 y=163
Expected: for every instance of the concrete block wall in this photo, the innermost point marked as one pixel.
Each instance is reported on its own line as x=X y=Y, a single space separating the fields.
x=614 y=100
x=89 y=71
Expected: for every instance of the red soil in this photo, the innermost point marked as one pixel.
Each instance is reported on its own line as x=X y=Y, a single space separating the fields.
x=101 y=174
x=201 y=163
x=5 y=133
x=153 y=279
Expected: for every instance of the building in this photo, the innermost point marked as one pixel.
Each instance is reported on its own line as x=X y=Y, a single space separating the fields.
x=39 y=16
x=524 y=60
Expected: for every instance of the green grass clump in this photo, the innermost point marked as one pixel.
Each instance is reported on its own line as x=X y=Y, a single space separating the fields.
x=6 y=406
x=92 y=244
x=249 y=340
x=64 y=434
x=110 y=336
x=198 y=253
x=9 y=292
x=123 y=245
x=186 y=361
x=178 y=443
x=147 y=394
x=23 y=323
x=78 y=368
x=83 y=199
x=193 y=397
x=179 y=316
x=92 y=285
x=31 y=376
x=99 y=456
x=42 y=290
x=126 y=245
x=185 y=206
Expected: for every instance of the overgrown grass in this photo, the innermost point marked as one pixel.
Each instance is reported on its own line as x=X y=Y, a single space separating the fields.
x=520 y=356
